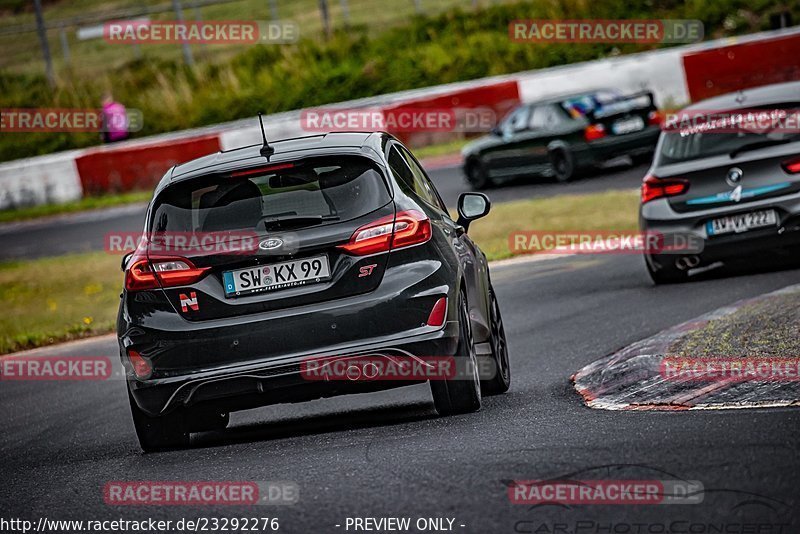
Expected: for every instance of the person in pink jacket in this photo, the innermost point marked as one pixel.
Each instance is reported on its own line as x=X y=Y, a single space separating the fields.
x=115 y=120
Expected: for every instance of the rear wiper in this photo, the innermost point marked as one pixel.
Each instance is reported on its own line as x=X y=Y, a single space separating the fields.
x=758 y=144
x=296 y=221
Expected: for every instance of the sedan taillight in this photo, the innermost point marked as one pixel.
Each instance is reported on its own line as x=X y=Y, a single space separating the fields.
x=408 y=228
x=791 y=166
x=170 y=272
x=654 y=187
x=594 y=132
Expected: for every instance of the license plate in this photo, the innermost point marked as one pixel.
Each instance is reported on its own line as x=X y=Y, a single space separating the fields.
x=623 y=126
x=276 y=276
x=736 y=224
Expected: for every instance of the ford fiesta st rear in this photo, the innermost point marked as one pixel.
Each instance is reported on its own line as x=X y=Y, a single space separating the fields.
x=247 y=272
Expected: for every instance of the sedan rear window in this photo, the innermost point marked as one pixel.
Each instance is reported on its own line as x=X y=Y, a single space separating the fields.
x=297 y=194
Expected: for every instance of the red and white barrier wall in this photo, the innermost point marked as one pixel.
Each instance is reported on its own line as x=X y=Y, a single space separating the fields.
x=676 y=76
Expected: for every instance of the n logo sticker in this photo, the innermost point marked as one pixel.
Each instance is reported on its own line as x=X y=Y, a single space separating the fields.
x=189 y=302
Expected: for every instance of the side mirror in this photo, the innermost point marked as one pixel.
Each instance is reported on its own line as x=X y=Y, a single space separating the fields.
x=124 y=262
x=472 y=206
x=496 y=131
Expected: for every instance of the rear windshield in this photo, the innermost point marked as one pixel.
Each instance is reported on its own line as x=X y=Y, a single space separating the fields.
x=335 y=189
x=686 y=144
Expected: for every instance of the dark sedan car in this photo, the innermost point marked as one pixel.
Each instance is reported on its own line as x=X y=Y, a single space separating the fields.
x=356 y=258
x=561 y=137
x=730 y=185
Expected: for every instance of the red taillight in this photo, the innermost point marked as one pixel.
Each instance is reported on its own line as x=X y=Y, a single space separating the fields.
x=262 y=170
x=141 y=365
x=171 y=272
x=791 y=166
x=654 y=118
x=594 y=132
x=408 y=228
x=438 y=313
x=653 y=188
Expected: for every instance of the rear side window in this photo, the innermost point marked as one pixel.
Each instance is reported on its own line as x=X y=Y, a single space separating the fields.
x=411 y=178
x=546 y=118
x=517 y=120
x=337 y=189
x=401 y=170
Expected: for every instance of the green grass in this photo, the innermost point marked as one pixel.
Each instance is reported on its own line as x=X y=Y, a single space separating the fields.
x=50 y=300
x=764 y=328
x=440 y=149
x=56 y=299
x=88 y=203
x=614 y=211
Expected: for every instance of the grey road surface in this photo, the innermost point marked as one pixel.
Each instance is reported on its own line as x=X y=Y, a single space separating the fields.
x=388 y=454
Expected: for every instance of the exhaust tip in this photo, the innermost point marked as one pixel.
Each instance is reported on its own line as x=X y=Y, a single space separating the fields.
x=687 y=262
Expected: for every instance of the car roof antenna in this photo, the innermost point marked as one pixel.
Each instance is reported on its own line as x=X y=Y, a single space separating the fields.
x=266 y=150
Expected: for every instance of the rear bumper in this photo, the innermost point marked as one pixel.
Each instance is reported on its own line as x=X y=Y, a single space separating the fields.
x=281 y=380
x=632 y=144
x=254 y=359
x=659 y=217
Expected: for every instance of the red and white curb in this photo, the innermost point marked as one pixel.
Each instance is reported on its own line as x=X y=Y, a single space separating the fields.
x=631 y=379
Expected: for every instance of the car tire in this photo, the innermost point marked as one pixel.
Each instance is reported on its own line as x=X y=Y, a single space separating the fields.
x=159 y=433
x=563 y=165
x=460 y=395
x=501 y=380
x=476 y=175
x=664 y=274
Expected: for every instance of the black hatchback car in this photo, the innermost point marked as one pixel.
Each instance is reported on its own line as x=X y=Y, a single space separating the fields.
x=356 y=256
x=564 y=136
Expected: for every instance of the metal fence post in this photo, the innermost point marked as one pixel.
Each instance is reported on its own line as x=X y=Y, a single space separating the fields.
x=48 y=61
x=326 y=17
x=64 y=44
x=187 y=50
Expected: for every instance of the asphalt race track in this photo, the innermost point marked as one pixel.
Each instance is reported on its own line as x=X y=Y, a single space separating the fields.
x=86 y=231
x=387 y=454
